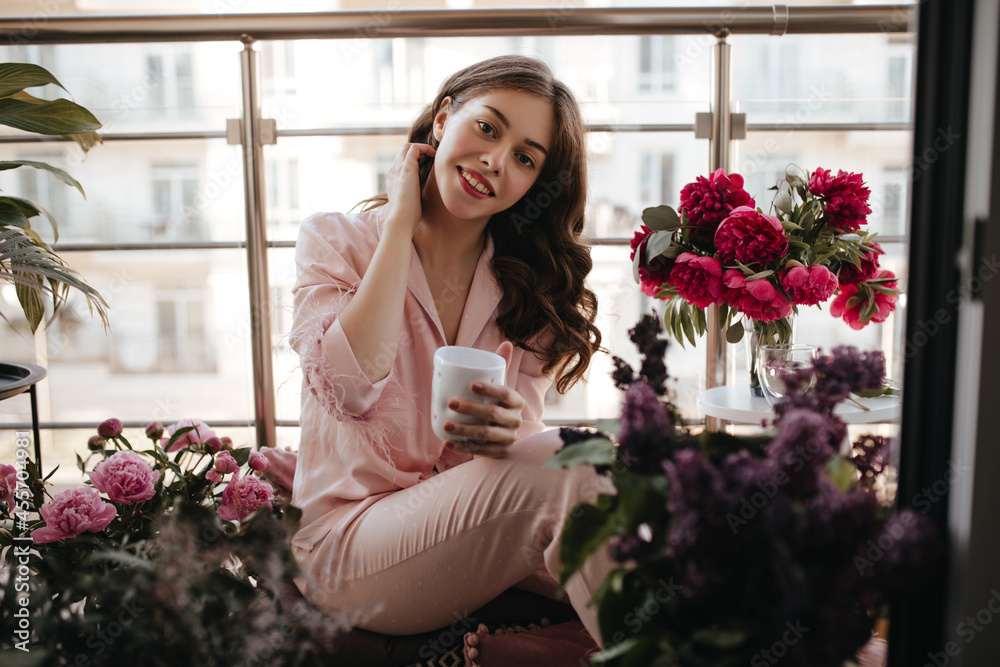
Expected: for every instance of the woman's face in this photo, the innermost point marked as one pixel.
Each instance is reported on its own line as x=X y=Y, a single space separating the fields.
x=491 y=151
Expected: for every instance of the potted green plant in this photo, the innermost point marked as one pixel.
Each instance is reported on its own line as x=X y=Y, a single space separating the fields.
x=26 y=260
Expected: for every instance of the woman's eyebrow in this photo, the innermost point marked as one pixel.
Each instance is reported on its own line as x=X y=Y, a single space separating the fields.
x=506 y=123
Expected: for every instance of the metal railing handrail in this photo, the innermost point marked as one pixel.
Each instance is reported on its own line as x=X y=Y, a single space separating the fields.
x=776 y=19
x=394 y=130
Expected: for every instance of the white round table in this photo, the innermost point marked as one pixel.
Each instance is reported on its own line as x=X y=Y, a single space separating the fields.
x=734 y=403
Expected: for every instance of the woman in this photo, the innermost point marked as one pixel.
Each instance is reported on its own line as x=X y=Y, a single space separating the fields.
x=475 y=243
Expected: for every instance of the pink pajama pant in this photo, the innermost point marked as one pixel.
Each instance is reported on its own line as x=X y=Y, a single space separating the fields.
x=424 y=556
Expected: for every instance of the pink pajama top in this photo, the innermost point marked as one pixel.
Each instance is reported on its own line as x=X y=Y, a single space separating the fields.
x=362 y=440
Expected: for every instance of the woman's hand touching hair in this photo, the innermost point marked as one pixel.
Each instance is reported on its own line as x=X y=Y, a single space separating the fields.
x=403 y=187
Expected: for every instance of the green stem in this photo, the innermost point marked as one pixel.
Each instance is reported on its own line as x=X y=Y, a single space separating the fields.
x=863 y=407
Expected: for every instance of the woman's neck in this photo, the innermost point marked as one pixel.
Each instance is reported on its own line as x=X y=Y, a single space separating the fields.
x=443 y=240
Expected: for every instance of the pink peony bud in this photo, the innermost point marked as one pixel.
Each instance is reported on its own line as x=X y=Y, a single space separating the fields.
x=125 y=478
x=71 y=513
x=154 y=431
x=259 y=462
x=213 y=476
x=225 y=463
x=110 y=428
x=214 y=444
x=227 y=442
x=8 y=485
x=96 y=443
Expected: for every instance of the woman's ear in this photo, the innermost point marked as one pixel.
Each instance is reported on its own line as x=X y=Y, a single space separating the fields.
x=444 y=110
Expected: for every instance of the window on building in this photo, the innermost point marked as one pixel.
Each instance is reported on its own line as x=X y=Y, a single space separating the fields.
x=656 y=178
x=175 y=216
x=171 y=86
x=278 y=68
x=283 y=192
x=657 y=65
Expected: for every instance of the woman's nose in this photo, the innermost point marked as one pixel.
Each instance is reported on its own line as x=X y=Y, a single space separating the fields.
x=493 y=161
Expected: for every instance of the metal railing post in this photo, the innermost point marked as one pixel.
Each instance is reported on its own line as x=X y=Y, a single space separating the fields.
x=719 y=151
x=258 y=277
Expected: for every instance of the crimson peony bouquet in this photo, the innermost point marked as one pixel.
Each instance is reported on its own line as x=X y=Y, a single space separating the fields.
x=736 y=550
x=179 y=546
x=720 y=249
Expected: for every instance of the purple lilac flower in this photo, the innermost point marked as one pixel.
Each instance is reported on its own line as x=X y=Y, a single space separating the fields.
x=646 y=336
x=910 y=552
x=845 y=370
x=623 y=375
x=625 y=548
x=871 y=456
x=644 y=432
x=804 y=443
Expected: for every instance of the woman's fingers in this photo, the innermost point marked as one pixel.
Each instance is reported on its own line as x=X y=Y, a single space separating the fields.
x=492 y=450
x=494 y=434
x=403 y=185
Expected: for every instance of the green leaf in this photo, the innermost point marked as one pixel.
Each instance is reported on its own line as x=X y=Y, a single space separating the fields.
x=12 y=215
x=718 y=638
x=51 y=118
x=640 y=499
x=59 y=173
x=15 y=77
x=586 y=530
x=877 y=393
x=687 y=323
x=734 y=334
x=657 y=244
x=31 y=303
x=661 y=217
x=636 y=262
x=719 y=443
x=841 y=472
x=761 y=274
x=594 y=451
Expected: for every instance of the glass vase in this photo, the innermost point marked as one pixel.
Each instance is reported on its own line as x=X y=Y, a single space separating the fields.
x=758 y=333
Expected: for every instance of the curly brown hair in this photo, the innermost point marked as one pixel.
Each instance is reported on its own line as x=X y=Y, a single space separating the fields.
x=539 y=259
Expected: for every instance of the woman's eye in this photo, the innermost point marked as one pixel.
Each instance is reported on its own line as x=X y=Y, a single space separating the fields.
x=486 y=127
x=526 y=160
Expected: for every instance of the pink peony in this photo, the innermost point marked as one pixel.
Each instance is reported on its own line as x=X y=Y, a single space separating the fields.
x=655 y=273
x=850 y=306
x=757 y=299
x=750 y=237
x=200 y=434
x=110 y=428
x=259 y=462
x=852 y=275
x=243 y=496
x=845 y=197
x=125 y=477
x=73 y=512
x=225 y=463
x=698 y=279
x=213 y=476
x=809 y=285
x=8 y=485
x=708 y=200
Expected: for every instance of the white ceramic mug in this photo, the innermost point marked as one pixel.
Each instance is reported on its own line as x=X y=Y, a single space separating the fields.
x=455 y=369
